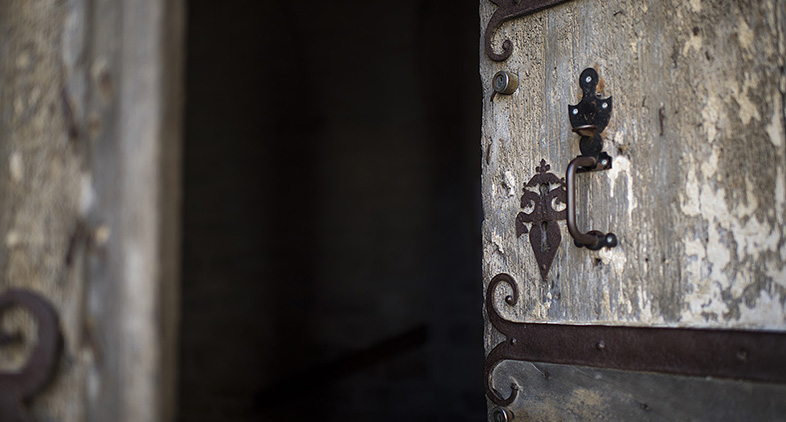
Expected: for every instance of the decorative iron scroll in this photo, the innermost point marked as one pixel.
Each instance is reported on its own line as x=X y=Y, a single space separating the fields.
x=544 y=234
x=507 y=10
x=747 y=355
x=19 y=387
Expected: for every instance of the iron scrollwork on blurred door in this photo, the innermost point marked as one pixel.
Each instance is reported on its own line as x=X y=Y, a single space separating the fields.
x=18 y=388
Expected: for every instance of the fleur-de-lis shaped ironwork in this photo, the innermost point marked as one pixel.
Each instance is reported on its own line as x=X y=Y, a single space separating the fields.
x=544 y=232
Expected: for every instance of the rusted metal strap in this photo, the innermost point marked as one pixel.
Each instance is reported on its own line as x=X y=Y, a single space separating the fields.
x=507 y=10
x=748 y=355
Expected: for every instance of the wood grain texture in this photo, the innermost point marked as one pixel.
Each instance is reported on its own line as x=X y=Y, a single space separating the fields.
x=572 y=393
x=697 y=193
x=89 y=153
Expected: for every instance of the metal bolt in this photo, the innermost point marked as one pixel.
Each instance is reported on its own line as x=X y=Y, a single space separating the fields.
x=601 y=345
x=603 y=162
x=575 y=111
x=505 y=82
x=605 y=105
x=500 y=414
x=588 y=79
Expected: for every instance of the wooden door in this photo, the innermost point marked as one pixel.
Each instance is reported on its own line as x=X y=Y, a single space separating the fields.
x=695 y=194
x=89 y=150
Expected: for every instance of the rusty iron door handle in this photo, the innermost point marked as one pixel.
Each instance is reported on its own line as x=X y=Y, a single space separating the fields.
x=594 y=239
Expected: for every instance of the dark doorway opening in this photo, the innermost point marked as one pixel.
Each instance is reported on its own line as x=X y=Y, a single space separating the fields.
x=331 y=214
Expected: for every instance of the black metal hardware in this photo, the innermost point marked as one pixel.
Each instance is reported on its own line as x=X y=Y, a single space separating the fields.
x=507 y=10
x=594 y=239
x=588 y=118
x=745 y=355
x=18 y=388
x=544 y=234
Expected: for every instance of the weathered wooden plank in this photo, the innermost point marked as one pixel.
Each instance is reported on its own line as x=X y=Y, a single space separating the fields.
x=697 y=193
x=89 y=150
x=570 y=393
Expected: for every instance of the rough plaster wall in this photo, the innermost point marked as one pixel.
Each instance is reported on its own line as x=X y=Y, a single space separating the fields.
x=697 y=193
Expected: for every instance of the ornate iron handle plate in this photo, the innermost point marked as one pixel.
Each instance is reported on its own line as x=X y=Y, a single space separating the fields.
x=19 y=387
x=588 y=118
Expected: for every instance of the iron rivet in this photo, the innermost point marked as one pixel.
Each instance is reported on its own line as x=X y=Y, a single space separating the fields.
x=605 y=105
x=604 y=162
x=575 y=111
x=588 y=79
x=513 y=341
x=601 y=345
x=505 y=82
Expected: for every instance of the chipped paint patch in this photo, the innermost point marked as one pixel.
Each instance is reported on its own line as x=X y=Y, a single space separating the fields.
x=689 y=202
x=767 y=308
x=693 y=43
x=744 y=34
x=780 y=195
x=747 y=110
x=87 y=197
x=711 y=116
x=496 y=240
x=621 y=164
x=615 y=258
x=733 y=234
x=510 y=183
x=775 y=128
x=16 y=166
x=710 y=167
x=12 y=239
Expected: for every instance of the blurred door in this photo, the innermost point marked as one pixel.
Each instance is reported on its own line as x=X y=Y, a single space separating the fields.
x=90 y=104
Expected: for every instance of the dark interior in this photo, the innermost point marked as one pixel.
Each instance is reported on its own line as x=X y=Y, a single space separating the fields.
x=331 y=215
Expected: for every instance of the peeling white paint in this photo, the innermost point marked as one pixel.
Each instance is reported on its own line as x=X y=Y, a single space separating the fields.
x=87 y=198
x=780 y=195
x=711 y=115
x=496 y=240
x=710 y=167
x=767 y=309
x=693 y=43
x=12 y=239
x=751 y=203
x=746 y=110
x=615 y=258
x=707 y=264
x=744 y=34
x=510 y=181
x=621 y=164
x=16 y=166
x=689 y=202
x=775 y=128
